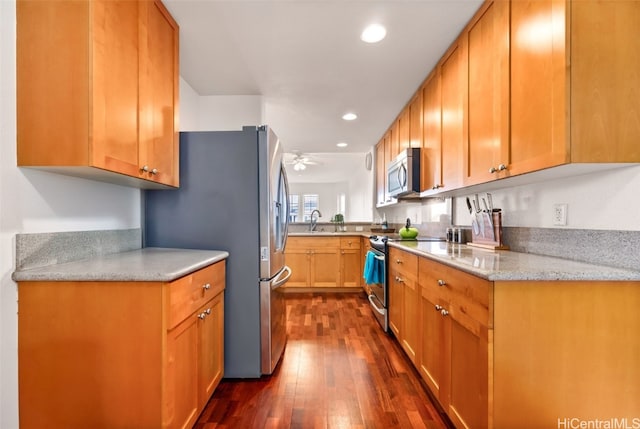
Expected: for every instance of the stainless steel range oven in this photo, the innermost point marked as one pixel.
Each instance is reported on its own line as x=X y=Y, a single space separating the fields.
x=375 y=274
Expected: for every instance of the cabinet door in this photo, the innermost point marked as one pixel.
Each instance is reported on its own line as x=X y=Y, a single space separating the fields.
x=454 y=89
x=538 y=85
x=381 y=173
x=114 y=68
x=182 y=373
x=396 y=305
x=411 y=320
x=415 y=120
x=393 y=141
x=158 y=94
x=325 y=267
x=434 y=353
x=468 y=405
x=210 y=348
x=351 y=268
x=404 y=129
x=431 y=165
x=299 y=262
x=487 y=121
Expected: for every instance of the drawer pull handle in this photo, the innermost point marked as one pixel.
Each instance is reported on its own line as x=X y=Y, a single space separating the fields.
x=206 y=286
x=441 y=283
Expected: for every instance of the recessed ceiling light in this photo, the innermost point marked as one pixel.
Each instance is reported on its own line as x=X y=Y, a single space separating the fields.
x=342 y=144
x=349 y=116
x=373 y=33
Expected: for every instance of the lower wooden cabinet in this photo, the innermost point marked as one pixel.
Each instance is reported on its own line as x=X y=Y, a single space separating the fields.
x=324 y=261
x=525 y=354
x=120 y=354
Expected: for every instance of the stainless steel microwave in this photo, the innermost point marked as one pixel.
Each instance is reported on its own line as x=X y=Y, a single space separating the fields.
x=403 y=173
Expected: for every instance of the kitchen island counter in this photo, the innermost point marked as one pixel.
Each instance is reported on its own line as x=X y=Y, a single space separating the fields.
x=504 y=265
x=147 y=264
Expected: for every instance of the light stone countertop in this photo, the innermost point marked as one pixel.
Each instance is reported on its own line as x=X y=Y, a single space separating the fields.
x=504 y=265
x=148 y=264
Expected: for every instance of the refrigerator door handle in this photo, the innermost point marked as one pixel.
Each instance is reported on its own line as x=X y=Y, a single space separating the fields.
x=277 y=282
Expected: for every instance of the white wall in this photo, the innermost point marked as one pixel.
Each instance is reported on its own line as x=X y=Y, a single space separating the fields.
x=218 y=113
x=606 y=200
x=33 y=201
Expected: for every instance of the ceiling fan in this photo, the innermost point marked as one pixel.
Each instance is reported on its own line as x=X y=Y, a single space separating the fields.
x=299 y=161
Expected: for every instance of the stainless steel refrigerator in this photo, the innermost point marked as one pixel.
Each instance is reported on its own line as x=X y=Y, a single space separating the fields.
x=233 y=196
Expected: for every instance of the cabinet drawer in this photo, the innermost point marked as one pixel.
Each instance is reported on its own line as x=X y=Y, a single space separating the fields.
x=312 y=242
x=466 y=296
x=190 y=292
x=403 y=263
x=349 y=243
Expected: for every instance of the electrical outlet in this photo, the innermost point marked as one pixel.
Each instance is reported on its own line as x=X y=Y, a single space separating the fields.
x=560 y=214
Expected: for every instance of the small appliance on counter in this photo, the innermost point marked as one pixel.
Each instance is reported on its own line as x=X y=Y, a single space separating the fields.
x=486 y=224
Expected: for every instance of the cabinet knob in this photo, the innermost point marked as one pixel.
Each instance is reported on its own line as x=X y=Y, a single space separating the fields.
x=436 y=187
x=444 y=312
x=202 y=315
x=208 y=311
x=206 y=286
x=398 y=261
x=501 y=167
x=441 y=283
x=399 y=280
x=145 y=168
x=154 y=171
x=438 y=307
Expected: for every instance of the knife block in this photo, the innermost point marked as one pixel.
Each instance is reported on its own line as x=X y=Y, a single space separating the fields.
x=486 y=241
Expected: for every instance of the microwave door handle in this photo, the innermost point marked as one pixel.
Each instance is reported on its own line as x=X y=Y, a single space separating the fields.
x=402 y=175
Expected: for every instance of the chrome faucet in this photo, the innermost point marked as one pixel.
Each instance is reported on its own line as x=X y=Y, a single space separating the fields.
x=313 y=222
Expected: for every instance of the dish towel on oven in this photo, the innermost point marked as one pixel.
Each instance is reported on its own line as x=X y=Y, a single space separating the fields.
x=373 y=269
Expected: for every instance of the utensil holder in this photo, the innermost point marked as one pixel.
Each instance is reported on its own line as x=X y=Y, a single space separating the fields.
x=486 y=241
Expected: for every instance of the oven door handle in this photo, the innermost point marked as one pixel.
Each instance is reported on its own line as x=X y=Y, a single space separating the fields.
x=375 y=255
x=373 y=304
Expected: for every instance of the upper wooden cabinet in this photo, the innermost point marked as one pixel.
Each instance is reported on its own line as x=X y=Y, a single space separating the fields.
x=486 y=119
x=529 y=85
x=586 y=114
x=97 y=90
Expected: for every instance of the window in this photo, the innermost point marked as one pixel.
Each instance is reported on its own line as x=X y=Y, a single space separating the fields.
x=310 y=203
x=293 y=207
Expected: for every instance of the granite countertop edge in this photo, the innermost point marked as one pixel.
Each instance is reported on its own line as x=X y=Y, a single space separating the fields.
x=152 y=264
x=504 y=265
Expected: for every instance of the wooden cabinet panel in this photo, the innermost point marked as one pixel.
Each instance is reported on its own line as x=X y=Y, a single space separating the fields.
x=210 y=348
x=298 y=261
x=182 y=374
x=393 y=141
x=431 y=163
x=404 y=130
x=97 y=90
x=325 y=267
x=403 y=277
x=487 y=111
x=381 y=173
x=415 y=120
x=159 y=80
x=351 y=260
x=434 y=351
x=454 y=90
x=539 y=81
x=469 y=377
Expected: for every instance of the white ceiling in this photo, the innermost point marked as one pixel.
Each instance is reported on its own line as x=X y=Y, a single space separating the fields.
x=306 y=59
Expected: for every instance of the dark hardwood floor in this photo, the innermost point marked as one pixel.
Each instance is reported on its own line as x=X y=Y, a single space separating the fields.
x=339 y=370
